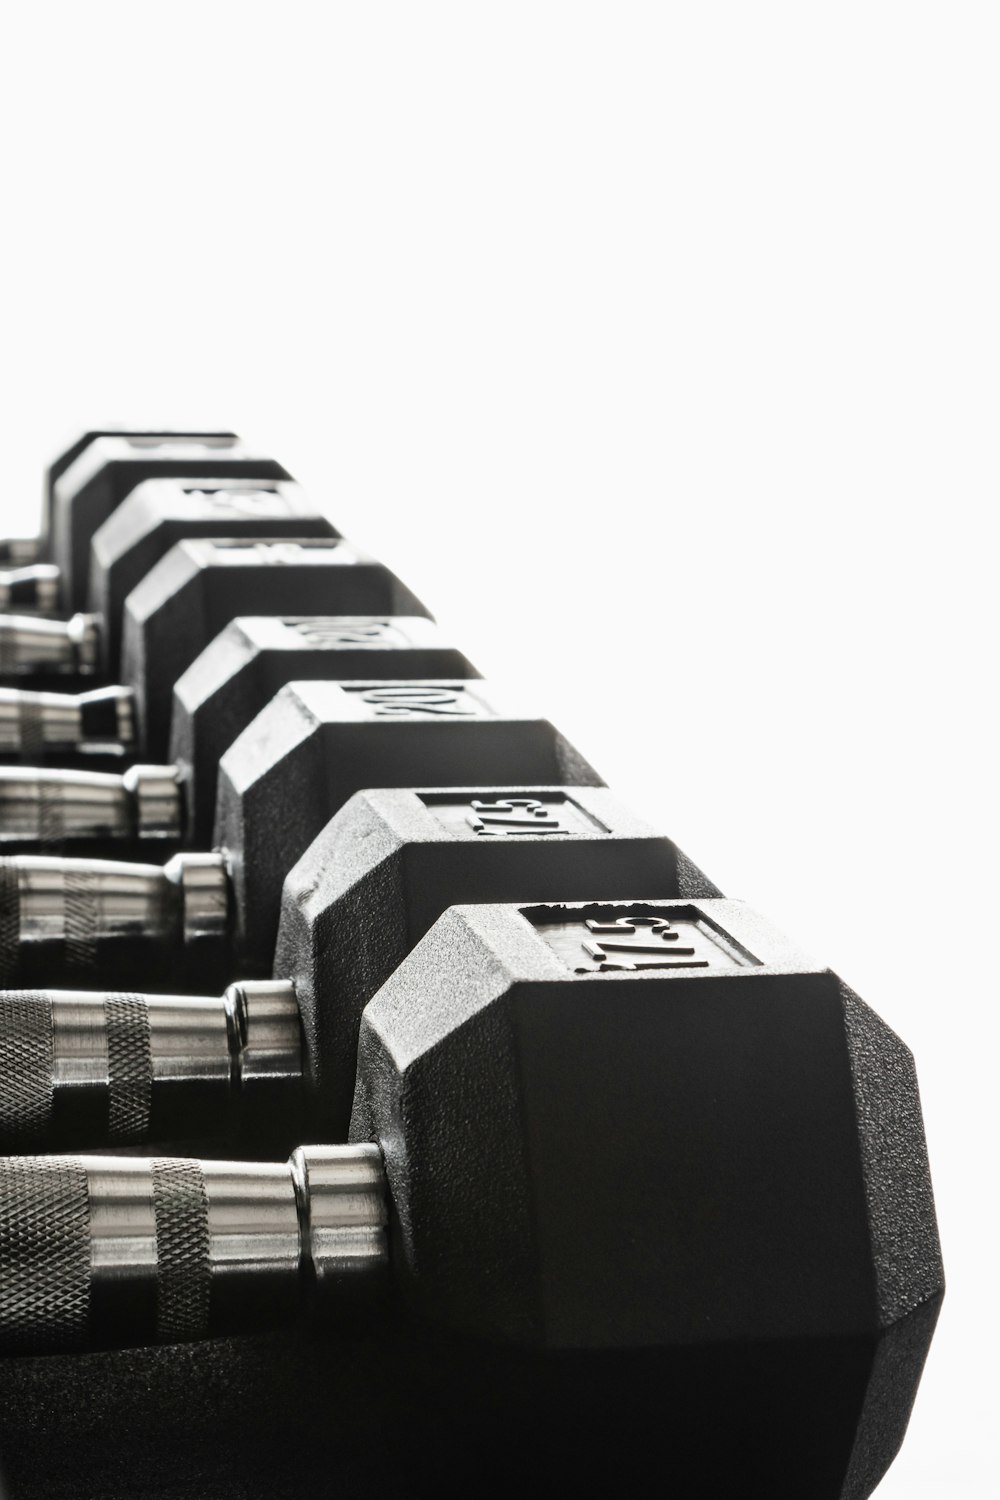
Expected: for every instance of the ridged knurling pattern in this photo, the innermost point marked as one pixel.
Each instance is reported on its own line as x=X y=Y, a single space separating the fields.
x=27 y=1089
x=31 y=730
x=80 y=908
x=180 y=1206
x=130 y=1068
x=44 y=1254
x=10 y=919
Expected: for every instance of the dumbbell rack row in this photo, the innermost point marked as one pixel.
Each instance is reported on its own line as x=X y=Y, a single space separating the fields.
x=594 y=1173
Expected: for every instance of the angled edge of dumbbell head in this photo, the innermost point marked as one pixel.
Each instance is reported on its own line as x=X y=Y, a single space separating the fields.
x=199 y=500
x=392 y=860
x=399 y=704
x=586 y=1154
x=318 y=742
x=198 y=587
x=160 y=512
x=71 y=450
x=104 y=473
x=253 y=656
x=174 y=581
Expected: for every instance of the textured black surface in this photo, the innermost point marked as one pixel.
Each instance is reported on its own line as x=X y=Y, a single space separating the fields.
x=390 y=862
x=161 y=512
x=240 y=672
x=109 y=468
x=351 y=1414
x=68 y=455
x=317 y=743
x=758 y=1122
x=200 y=587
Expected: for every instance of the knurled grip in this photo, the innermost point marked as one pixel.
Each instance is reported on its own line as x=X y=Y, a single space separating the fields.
x=27 y=1066
x=180 y=1206
x=10 y=920
x=80 y=917
x=55 y=1214
x=130 y=1068
x=30 y=1076
x=45 y=1272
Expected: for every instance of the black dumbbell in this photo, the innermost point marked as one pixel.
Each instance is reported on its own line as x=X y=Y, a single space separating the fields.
x=313 y=746
x=272 y=1058
x=183 y=603
x=155 y=516
x=81 y=811
x=30 y=580
x=645 y=1155
x=85 y=485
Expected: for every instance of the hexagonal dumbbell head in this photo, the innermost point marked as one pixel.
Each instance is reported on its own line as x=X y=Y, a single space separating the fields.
x=368 y=888
x=643 y=1127
x=635 y=1163
x=161 y=512
x=191 y=595
x=201 y=586
x=109 y=468
x=239 y=673
x=392 y=861
x=317 y=743
x=79 y=811
x=27 y=551
x=153 y=518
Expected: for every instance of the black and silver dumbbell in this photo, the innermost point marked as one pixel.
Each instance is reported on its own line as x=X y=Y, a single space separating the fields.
x=650 y=1164
x=155 y=516
x=84 y=485
x=180 y=606
x=271 y=1058
x=313 y=746
x=82 y=811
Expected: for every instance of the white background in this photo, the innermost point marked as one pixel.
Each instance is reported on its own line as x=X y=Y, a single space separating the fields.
x=658 y=348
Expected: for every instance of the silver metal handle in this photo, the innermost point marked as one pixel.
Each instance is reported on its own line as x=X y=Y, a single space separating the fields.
x=30 y=644
x=56 y=806
x=20 y=551
x=81 y=908
x=100 y=1069
x=30 y=590
x=97 y=1252
x=40 y=724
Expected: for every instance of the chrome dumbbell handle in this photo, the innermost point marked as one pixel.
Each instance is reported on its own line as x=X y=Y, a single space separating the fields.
x=117 y=1069
x=103 y=1251
x=30 y=644
x=80 y=906
x=49 y=806
x=29 y=590
x=38 y=724
x=20 y=551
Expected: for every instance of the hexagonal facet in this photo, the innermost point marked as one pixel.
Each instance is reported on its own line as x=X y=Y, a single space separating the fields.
x=391 y=861
x=659 y=1130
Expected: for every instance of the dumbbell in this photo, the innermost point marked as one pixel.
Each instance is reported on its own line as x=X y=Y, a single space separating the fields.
x=84 y=486
x=214 y=700
x=183 y=603
x=645 y=1156
x=313 y=746
x=271 y=1055
x=153 y=518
